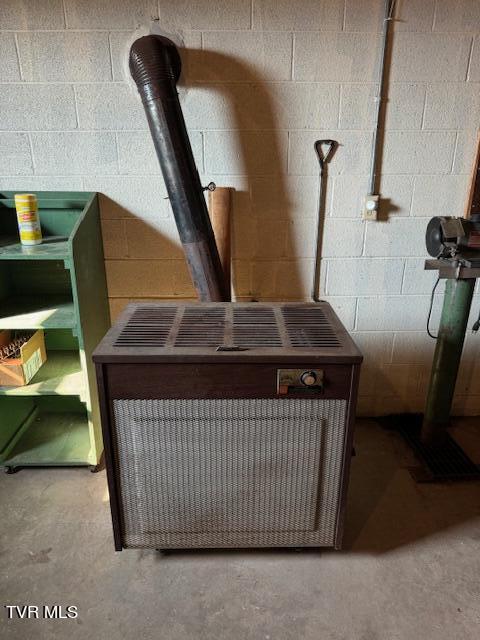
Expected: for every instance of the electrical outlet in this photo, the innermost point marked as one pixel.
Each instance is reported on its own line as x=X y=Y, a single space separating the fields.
x=370 y=207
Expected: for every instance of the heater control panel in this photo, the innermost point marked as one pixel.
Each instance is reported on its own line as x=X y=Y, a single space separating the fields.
x=299 y=380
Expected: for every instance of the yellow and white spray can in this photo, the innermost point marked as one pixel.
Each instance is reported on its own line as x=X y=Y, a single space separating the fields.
x=27 y=217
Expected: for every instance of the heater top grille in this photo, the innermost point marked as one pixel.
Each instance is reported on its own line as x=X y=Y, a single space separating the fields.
x=190 y=332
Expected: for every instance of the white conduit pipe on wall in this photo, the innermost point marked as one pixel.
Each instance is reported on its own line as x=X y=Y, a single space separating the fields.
x=389 y=12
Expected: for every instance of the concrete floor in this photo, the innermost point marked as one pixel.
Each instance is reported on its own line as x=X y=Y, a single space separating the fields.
x=410 y=569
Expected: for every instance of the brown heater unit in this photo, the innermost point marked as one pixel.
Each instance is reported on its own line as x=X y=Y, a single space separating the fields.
x=227 y=424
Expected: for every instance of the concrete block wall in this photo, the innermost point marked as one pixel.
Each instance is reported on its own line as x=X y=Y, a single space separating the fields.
x=263 y=79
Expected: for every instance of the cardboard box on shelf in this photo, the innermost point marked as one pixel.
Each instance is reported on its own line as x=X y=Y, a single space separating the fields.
x=17 y=372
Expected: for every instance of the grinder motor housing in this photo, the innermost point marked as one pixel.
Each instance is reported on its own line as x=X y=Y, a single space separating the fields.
x=455 y=239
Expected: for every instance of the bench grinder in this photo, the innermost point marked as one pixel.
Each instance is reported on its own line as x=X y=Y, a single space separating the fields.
x=454 y=243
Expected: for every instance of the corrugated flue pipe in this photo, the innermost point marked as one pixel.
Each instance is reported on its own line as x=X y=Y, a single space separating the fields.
x=155 y=66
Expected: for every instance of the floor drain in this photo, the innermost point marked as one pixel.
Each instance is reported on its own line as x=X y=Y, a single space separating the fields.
x=447 y=461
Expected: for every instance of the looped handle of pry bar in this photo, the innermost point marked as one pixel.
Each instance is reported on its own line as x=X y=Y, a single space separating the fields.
x=324 y=157
x=325 y=150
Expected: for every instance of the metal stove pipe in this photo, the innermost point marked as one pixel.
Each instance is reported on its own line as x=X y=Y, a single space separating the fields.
x=155 y=66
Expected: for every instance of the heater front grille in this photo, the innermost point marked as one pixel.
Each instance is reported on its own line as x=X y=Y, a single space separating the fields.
x=229 y=472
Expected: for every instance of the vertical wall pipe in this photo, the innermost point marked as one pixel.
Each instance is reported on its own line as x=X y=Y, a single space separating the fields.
x=155 y=66
x=389 y=8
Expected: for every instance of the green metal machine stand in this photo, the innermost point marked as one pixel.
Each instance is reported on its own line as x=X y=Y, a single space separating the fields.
x=446 y=360
x=441 y=458
x=456 y=243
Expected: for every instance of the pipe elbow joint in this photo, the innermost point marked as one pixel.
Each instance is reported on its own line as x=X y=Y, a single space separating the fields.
x=155 y=64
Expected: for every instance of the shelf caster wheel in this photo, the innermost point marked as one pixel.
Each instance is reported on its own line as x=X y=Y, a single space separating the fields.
x=10 y=470
x=95 y=468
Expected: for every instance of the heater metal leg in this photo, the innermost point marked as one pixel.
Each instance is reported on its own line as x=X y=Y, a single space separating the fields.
x=451 y=335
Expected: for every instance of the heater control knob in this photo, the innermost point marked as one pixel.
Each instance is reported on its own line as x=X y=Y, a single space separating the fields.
x=308 y=378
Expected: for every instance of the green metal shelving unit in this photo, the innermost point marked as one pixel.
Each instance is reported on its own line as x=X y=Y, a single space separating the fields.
x=60 y=287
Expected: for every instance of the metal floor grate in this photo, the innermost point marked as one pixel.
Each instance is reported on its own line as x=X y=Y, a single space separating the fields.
x=439 y=463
